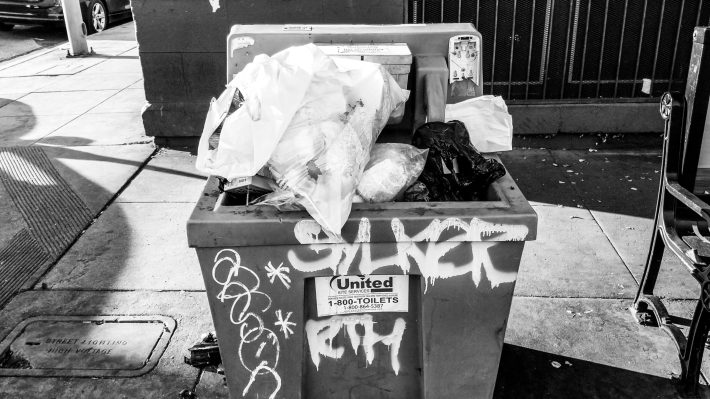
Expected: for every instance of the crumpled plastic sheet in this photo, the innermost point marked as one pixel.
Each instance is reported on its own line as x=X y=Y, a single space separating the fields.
x=392 y=168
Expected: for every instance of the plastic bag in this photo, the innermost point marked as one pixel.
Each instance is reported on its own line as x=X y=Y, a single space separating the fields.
x=392 y=168
x=323 y=152
x=454 y=170
x=273 y=89
x=487 y=120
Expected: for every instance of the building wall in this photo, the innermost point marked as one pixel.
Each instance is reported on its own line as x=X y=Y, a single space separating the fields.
x=182 y=46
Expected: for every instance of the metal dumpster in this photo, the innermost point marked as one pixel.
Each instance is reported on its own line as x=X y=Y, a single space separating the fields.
x=459 y=261
x=412 y=301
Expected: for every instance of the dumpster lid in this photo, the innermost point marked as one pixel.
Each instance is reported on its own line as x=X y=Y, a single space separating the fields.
x=506 y=216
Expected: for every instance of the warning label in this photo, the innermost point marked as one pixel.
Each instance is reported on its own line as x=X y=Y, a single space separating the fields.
x=362 y=294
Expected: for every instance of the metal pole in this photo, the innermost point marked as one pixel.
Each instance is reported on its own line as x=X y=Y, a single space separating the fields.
x=512 y=50
x=601 y=56
x=76 y=30
x=621 y=48
x=530 y=44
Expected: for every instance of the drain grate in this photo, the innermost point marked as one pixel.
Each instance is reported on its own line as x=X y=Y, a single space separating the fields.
x=19 y=261
x=53 y=212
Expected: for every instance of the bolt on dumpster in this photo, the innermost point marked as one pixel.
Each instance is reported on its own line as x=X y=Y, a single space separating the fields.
x=404 y=293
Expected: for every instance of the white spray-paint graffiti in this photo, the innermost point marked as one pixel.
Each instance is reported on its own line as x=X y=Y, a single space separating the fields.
x=259 y=347
x=284 y=323
x=320 y=334
x=281 y=272
x=428 y=255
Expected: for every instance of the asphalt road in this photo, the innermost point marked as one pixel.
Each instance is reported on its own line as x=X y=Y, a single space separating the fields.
x=23 y=39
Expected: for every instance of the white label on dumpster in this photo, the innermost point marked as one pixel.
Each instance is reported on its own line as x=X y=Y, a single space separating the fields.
x=362 y=294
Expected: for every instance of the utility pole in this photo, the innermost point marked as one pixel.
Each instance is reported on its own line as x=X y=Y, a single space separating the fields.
x=76 y=30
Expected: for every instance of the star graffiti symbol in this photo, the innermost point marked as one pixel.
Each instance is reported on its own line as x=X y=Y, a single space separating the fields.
x=281 y=272
x=284 y=323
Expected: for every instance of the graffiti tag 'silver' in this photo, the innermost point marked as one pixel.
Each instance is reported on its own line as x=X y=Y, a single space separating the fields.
x=428 y=256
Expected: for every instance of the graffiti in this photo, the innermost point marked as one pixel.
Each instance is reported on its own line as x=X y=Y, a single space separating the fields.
x=281 y=272
x=284 y=323
x=426 y=248
x=320 y=335
x=259 y=347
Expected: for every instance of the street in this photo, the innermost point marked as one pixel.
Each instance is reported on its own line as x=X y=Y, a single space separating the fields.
x=23 y=39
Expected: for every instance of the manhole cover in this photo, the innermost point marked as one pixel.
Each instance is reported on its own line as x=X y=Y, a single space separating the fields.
x=85 y=346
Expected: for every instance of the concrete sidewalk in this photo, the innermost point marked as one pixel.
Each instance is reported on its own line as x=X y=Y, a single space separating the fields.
x=92 y=221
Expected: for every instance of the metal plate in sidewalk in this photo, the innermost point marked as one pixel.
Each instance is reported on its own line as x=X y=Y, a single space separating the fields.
x=85 y=346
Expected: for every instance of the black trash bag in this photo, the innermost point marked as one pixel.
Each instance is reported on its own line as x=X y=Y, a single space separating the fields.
x=447 y=141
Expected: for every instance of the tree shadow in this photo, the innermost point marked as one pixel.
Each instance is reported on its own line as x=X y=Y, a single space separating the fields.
x=53 y=213
x=55 y=204
x=606 y=181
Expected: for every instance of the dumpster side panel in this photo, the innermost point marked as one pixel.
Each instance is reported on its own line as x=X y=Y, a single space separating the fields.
x=447 y=345
x=464 y=326
x=259 y=322
x=393 y=368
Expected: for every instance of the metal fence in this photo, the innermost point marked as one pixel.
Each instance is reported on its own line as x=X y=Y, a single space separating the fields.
x=584 y=50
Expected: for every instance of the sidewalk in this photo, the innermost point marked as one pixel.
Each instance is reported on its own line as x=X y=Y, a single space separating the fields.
x=92 y=222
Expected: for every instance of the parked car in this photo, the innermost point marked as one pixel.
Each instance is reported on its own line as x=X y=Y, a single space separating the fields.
x=97 y=14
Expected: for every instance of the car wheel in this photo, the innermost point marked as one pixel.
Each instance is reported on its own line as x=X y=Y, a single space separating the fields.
x=97 y=17
x=5 y=27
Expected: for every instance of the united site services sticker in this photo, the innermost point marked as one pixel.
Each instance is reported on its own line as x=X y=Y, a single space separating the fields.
x=362 y=294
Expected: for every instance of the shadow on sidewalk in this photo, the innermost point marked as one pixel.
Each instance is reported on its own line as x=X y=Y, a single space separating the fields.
x=528 y=373
x=52 y=213
x=621 y=182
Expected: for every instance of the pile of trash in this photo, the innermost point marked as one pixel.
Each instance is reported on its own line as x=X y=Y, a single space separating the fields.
x=298 y=130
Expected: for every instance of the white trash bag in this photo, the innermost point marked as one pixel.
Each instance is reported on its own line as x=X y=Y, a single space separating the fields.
x=487 y=120
x=314 y=118
x=322 y=154
x=273 y=89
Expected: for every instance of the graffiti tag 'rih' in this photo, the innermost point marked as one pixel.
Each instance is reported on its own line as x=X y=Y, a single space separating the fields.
x=428 y=255
x=320 y=334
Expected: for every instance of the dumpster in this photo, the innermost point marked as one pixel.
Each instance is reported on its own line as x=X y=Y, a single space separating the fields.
x=411 y=300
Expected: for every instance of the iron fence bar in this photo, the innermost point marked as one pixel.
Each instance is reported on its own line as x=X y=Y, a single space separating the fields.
x=584 y=50
x=512 y=49
x=545 y=59
x=459 y=19
x=414 y=11
x=547 y=52
x=564 y=65
x=700 y=7
x=423 y=11
x=442 y=10
x=658 y=43
x=495 y=40
x=621 y=48
x=638 y=54
x=675 y=47
x=478 y=11
x=573 y=43
x=601 y=53
x=530 y=43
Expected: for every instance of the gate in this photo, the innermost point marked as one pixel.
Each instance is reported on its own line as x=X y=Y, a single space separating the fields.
x=580 y=50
